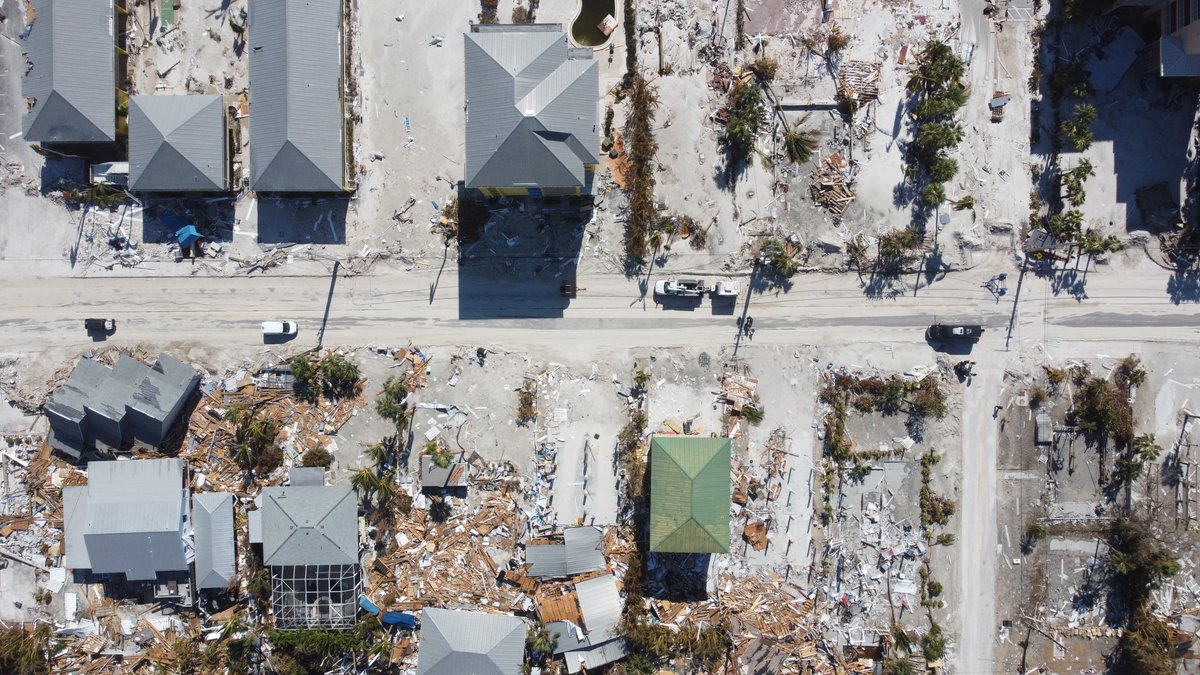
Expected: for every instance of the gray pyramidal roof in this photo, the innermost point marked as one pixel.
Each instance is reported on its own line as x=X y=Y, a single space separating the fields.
x=72 y=81
x=177 y=143
x=212 y=523
x=532 y=105
x=295 y=96
x=470 y=643
x=309 y=525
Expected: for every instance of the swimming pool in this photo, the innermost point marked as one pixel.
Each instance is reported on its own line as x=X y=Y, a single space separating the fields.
x=585 y=29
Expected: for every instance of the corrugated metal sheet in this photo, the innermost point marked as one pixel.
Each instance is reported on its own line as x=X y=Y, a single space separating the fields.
x=583 y=551
x=73 y=77
x=306 y=475
x=75 y=502
x=596 y=656
x=532 y=110
x=546 y=561
x=689 y=494
x=600 y=605
x=177 y=143
x=458 y=643
x=212 y=521
x=309 y=525
x=296 y=141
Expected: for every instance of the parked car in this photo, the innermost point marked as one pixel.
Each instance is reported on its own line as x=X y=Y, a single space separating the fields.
x=686 y=288
x=945 y=331
x=274 y=328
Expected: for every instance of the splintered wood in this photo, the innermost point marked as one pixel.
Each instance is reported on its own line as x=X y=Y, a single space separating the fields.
x=773 y=624
x=302 y=425
x=859 y=80
x=738 y=391
x=831 y=183
x=447 y=564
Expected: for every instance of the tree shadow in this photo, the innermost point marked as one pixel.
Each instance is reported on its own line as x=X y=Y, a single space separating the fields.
x=1184 y=284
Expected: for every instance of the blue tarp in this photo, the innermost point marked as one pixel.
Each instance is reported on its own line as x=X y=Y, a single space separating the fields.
x=367 y=606
x=406 y=621
x=187 y=235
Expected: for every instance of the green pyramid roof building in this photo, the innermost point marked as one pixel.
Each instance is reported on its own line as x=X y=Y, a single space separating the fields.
x=689 y=494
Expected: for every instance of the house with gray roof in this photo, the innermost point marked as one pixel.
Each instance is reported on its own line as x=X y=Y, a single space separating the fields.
x=213 y=530
x=532 y=112
x=111 y=408
x=582 y=551
x=598 y=641
x=457 y=642
x=178 y=143
x=297 y=123
x=309 y=537
x=70 y=87
x=129 y=519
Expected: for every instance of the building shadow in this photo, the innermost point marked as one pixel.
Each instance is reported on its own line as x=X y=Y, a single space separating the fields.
x=162 y=217
x=515 y=254
x=64 y=172
x=678 y=577
x=301 y=220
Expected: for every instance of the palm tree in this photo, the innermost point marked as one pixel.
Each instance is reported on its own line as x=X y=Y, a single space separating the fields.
x=366 y=482
x=1146 y=448
x=379 y=455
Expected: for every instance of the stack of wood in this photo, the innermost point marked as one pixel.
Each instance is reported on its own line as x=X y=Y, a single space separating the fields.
x=831 y=184
x=738 y=391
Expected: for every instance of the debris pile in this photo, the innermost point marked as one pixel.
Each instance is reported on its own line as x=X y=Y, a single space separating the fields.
x=832 y=181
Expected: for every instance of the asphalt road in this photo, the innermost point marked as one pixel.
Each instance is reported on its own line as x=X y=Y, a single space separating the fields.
x=822 y=309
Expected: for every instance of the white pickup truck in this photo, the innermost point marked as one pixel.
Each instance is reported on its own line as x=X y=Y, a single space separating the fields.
x=681 y=288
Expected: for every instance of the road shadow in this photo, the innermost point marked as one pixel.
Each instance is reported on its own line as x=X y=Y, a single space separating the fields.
x=278 y=339
x=724 y=306
x=672 y=303
x=514 y=255
x=162 y=217
x=301 y=220
x=951 y=347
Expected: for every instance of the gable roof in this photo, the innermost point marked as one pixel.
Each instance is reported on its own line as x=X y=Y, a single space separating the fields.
x=212 y=522
x=532 y=108
x=296 y=142
x=689 y=494
x=582 y=552
x=129 y=519
x=73 y=75
x=309 y=525
x=458 y=643
x=177 y=143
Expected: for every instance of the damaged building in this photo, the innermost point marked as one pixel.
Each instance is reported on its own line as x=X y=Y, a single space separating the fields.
x=112 y=408
x=131 y=519
x=309 y=538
